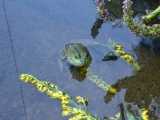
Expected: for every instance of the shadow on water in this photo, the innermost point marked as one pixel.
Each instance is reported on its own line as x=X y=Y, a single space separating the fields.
x=97 y=25
x=42 y=31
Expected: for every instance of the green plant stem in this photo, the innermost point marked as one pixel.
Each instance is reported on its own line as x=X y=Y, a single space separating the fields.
x=138 y=29
x=151 y=15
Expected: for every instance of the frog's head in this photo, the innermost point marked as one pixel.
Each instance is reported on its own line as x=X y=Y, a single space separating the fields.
x=80 y=59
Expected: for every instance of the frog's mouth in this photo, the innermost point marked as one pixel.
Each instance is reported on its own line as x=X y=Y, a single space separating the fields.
x=80 y=62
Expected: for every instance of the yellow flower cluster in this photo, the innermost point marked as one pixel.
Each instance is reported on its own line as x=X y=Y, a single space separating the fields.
x=83 y=70
x=79 y=99
x=144 y=114
x=112 y=90
x=128 y=58
x=79 y=112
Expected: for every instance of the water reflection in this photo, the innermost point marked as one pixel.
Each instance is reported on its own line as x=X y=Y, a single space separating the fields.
x=118 y=23
x=41 y=62
x=143 y=88
x=97 y=25
x=76 y=73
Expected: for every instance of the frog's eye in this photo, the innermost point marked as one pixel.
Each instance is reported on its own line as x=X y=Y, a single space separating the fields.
x=76 y=56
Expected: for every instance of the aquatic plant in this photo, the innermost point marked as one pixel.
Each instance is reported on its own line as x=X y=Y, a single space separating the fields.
x=138 y=29
x=102 y=11
x=100 y=83
x=151 y=15
x=142 y=114
x=117 y=49
x=77 y=109
x=123 y=54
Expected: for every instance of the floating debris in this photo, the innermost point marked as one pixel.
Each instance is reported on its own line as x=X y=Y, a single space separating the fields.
x=110 y=56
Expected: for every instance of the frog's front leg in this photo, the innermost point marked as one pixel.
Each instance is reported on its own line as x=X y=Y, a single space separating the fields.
x=63 y=54
x=61 y=58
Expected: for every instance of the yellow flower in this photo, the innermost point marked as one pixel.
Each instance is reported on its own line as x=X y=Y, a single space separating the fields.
x=80 y=99
x=59 y=94
x=64 y=106
x=67 y=108
x=78 y=117
x=64 y=98
x=49 y=92
x=53 y=86
x=138 y=67
x=112 y=90
x=124 y=57
x=144 y=114
x=26 y=78
x=65 y=113
x=75 y=111
x=118 y=47
x=42 y=89
x=73 y=118
x=54 y=95
x=128 y=58
x=121 y=52
x=65 y=102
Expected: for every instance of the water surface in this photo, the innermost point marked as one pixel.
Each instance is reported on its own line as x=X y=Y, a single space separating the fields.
x=39 y=30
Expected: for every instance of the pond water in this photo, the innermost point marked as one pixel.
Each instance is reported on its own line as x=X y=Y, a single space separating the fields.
x=31 y=40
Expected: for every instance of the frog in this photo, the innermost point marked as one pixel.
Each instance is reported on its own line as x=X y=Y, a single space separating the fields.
x=77 y=54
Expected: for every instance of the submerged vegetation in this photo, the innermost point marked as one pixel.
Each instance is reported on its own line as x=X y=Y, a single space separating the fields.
x=100 y=83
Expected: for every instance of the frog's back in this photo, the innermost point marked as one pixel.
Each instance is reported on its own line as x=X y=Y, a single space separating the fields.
x=75 y=48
